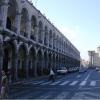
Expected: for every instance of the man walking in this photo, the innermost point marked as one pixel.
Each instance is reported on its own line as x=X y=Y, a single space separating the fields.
x=4 y=86
x=52 y=74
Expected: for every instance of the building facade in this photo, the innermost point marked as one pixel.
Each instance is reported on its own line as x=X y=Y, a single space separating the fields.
x=30 y=44
x=94 y=58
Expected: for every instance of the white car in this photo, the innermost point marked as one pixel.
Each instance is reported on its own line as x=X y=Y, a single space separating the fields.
x=62 y=70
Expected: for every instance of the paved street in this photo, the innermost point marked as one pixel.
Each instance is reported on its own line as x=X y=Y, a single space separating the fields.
x=71 y=86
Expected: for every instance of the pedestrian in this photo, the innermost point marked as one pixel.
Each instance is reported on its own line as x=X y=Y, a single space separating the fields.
x=4 y=86
x=51 y=76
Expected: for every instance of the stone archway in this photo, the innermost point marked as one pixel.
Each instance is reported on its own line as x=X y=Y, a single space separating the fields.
x=39 y=63
x=50 y=61
x=57 y=61
x=11 y=15
x=9 y=60
x=22 y=60
x=45 y=68
x=32 y=60
x=54 y=62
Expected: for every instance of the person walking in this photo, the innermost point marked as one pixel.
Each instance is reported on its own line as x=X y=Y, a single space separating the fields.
x=51 y=76
x=4 y=86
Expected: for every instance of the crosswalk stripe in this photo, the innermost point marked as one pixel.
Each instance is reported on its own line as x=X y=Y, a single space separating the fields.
x=38 y=82
x=59 y=82
x=83 y=83
x=55 y=83
x=30 y=82
x=93 y=83
x=64 y=83
x=45 y=83
x=74 y=83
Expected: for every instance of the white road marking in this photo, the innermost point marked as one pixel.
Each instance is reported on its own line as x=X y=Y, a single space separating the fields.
x=83 y=83
x=93 y=83
x=38 y=82
x=55 y=83
x=45 y=83
x=64 y=83
x=30 y=82
x=74 y=83
x=87 y=76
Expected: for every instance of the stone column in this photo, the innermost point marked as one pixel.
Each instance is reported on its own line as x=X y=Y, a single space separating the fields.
x=4 y=9
x=48 y=39
x=16 y=66
x=36 y=33
x=35 y=68
x=1 y=58
x=42 y=65
x=26 y=65
x=43 y=33
x=17 y=22
x=28 y=28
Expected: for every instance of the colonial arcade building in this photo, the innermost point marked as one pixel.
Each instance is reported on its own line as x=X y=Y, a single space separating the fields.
x=30 y=44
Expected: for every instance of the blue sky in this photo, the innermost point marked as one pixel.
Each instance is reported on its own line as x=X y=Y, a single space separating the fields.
x=78 y=20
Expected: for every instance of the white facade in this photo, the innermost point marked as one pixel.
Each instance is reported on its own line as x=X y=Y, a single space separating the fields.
x=94 y=58
x=30 y=44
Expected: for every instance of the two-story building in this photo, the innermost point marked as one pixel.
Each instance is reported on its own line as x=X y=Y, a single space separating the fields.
x=30 y=44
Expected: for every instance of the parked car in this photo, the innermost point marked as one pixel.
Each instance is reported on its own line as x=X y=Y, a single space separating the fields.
x=97 y=69
x=62 y=71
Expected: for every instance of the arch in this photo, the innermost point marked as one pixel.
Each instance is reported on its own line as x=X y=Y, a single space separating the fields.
x=45 y=35
x=50 y=60
x=11 y=15
x=57 y=61
x=24 y=22
x=33 y=28
x=39 y=63
x=46 y=70
x=32 y=59
x=40 y=32
x=54 y=62
x=9 y=59
x=22 y=60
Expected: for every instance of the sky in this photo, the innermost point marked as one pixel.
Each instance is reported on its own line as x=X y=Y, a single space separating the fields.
x=78 y=20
